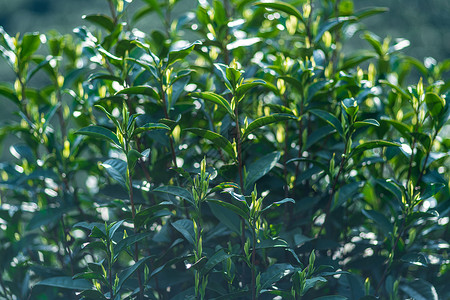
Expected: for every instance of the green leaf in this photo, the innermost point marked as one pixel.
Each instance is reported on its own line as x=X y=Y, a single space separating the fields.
x=186 y=228
x=244 y=88
x=350 y=106
x=113 y=228
x=117 y=169
x=311 y=282
x=390 y=186
x=150 y=127
x=125 y=274
x=226 y=216
x=417 y=259
x=148 y=213
x=435 y=104
x=99 y=132
x=370 y=11
x=278 y=203
x=366 y=122
x=261 y=167
x=232 y=207
x=331 y=25
x=9 y=93
x=180 y=54
x=46 y=216
x=419 y=289
x=128 y=241
x=398 y=89
x=176 y=191
x=102 y=20
x=263 y=121
x=140 y=90
x=281 y=6
x=274 y=273
x=30 y=43
x=66 y=283
x=319 y=134
x=431 y=190
x=92 y=295
x=330 y=119
x=215 y=98
x=385 y=225
x=217 y=140
x=357 y=58
x=345 y=193
x=224 y=185
x=371 y=145
x=217 y=258
x=333 y=297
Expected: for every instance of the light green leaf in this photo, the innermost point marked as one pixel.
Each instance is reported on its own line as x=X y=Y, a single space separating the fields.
x=366 y=122
x=278 y=203
x=215 y=98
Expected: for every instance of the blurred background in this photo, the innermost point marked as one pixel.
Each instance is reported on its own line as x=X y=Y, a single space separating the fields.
x=426 y=24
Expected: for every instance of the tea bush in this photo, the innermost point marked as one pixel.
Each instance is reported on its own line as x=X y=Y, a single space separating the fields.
x=236 y=152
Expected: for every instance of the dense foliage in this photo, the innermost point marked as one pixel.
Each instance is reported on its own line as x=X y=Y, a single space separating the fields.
x=255 y=161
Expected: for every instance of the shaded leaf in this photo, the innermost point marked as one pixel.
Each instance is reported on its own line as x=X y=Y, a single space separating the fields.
x=186 y=228
x=67 y=283
x=329 y=118
x=117 y=169
x=99 y=132
x=261 y=167
x=217 y=140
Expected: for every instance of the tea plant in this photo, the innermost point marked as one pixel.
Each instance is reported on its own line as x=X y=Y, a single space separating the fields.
x=239 y=151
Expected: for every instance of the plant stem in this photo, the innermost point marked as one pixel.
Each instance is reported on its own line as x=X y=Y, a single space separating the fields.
x=136 y=248
x=333 y=189
x=253 y=263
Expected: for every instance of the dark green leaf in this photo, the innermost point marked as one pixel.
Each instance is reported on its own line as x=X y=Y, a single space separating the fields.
x=263 y=121
x=259 y=168
x=226 y=216
x=125 y=274
x=66 y=283
x=216 y=139
x=176 y=191
x=419 y=289
x=331 y=25
x=232 y=207
x=99 y=132
x=274 y=273
x=217 y=258
x=278 y=203
x=385 y=225
x=179 y=54
x=330 y=119
x=9 y=93
x=117 y=169
x=417 y=259
x=435 y=104
x=186 y=228
x=140 y=90
x=102 y=20
x=281 y=6
x=371 y=145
